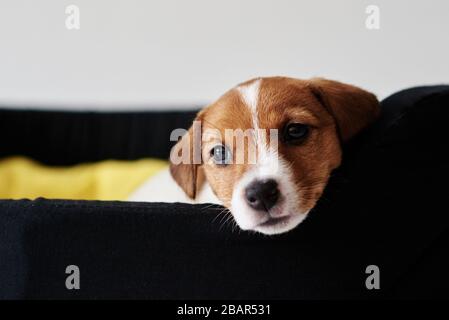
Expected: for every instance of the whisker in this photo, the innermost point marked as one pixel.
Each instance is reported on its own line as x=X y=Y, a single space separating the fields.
x=229 y=216
x=216 y=217
x=208 y=206
x=226 y=212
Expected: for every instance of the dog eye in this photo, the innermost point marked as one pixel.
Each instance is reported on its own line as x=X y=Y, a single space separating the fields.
x=221 y=154
x=295 y=132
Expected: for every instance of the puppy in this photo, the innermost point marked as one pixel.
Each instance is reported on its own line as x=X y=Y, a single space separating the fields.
x=296 y=128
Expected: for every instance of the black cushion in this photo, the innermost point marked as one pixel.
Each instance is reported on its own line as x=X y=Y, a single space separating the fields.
x=385 y=206
x=66 y=138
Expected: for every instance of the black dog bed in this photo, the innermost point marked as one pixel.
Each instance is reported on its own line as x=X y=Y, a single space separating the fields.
x=385 y=206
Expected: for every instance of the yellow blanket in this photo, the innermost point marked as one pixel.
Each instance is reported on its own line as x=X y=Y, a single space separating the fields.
x=106 y=180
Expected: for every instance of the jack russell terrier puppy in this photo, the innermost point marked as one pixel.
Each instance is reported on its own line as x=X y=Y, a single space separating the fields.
x=273 y=189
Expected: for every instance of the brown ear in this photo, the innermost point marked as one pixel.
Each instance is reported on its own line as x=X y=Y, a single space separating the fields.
x=352 y=108
x=185 y=160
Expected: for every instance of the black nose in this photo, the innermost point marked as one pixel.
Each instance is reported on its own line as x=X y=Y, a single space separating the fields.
x=262 y=195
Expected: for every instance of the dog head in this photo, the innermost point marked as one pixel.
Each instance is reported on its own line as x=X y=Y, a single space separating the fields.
x=268 y=146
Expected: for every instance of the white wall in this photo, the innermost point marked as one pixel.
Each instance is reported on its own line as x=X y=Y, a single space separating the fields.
x=142 y=53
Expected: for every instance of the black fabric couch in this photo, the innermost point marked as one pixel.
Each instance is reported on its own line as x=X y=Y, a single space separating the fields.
x=385 y=206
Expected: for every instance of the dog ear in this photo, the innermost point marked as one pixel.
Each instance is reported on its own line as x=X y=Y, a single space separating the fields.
x=352 y=108
x=185 y=160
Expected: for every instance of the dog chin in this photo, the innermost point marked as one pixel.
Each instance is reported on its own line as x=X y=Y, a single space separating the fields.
x=280 y=225
x=266 y=225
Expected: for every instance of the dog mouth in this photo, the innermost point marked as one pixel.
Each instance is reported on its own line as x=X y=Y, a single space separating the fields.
x=274 y=221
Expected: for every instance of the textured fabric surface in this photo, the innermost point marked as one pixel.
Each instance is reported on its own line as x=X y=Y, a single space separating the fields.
x=67 y=138
x=385 y=206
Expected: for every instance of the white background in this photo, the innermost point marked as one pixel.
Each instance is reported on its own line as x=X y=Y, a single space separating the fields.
x=142 y=54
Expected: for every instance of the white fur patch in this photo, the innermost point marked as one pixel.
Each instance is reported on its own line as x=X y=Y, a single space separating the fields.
x=271 y=166
x=250 y=95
